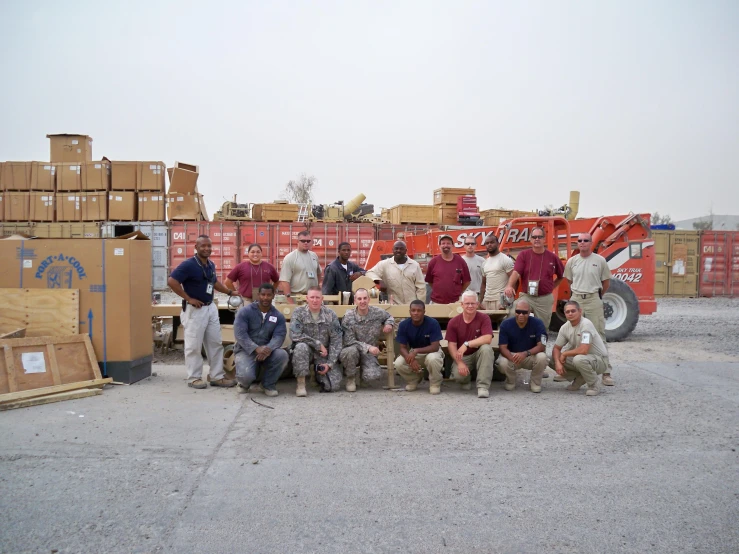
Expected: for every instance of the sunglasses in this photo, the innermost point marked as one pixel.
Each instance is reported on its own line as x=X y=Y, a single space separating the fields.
x=469 y=244
x=537 y=237
x=522 y=312
x=583 y=240
x=304 y=240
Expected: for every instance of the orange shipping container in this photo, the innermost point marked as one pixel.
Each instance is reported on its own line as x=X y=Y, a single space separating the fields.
x=225 y=238
x=719 y=263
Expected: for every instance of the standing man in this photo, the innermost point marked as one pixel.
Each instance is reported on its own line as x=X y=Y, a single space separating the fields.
x=300 y=268
x=400 y=277
x=495 y=273
x=260 y=330
x=536 y=268
x=469 y=336
x=579 y=353
x=316 y=335
x=194 y=281
x=363 y=327
x=341 y=272
x=447 y=274
x=419 y=338
x=589 y=279
x=251 y=273
x=523 y=344
x=474 y=263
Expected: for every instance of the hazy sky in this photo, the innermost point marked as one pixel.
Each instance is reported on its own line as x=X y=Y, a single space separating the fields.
x=635 y=104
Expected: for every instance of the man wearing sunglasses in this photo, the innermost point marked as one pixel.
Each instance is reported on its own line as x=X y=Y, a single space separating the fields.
x=589 y=278
x=537 y=268
x=474 y=263
x=523 y=344
x=300 y=268
x=579 y=353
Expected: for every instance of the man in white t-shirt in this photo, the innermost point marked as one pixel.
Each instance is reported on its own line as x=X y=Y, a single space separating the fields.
x=300 y=268
x=495 y=273
x=474 y=263
x=579 y=353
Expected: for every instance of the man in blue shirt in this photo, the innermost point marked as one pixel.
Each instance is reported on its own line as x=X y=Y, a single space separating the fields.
x=340 y=273
x=260 y=330
x=523 y=344
x=194 y=280
x=419 y=339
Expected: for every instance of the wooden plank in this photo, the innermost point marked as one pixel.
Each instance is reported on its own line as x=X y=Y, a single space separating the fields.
x=13 y=396
x=43 y=312
x=15 y=334
x=53 y=364
x=93 y=360
x=390 y=349
x=59 y=397
x=10 y=369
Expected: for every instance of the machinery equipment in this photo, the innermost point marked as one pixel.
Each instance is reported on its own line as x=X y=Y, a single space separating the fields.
x=467 y=211
x=352 y=210
x=232 y=211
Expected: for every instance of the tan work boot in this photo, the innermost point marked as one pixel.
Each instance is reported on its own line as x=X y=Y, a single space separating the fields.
x=300 y=389
x=535 y=388
x=559 y=378
x=509 y=386
x=577 y=383
x=592 y=390
x=351 y=385
x=483 y=393
x=223 y=383
x=607 y=380
x=411 y=386
x=435 y=389
x=466 y=386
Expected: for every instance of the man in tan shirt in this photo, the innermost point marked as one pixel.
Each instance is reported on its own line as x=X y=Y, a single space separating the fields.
x=495 y=273
x=399 y=276
x=300 y=268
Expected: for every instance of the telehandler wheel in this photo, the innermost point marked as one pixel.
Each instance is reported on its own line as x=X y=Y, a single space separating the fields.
x=558 y=317
x=621 y=310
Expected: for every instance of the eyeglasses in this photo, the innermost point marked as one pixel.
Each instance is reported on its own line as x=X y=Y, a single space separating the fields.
x=469 y=244
x=583 y=240
x=537 y=237
x=522 y=312
x=306 y=240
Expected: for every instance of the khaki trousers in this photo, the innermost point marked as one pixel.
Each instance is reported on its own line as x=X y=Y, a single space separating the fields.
x=483 y=361
x=493 y=305
x=587 y=365
x=592 y=308
x=202 y=329
x=536 y=363
x=433 y=362
x=541 y=306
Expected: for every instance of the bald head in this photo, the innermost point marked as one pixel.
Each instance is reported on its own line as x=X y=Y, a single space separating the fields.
x=585 y=244
x=399 y=251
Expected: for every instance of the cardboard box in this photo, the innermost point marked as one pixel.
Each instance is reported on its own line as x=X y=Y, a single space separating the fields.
x=183 y=178
x=113 y=277
x=68 y=206
x=42 y=207
x=43 y=176
x=16 y=176
x=68 y=177
x=66 y=148
x=151 y=177
x=2 y=207
x=184 y=207
x=96 y=175
x=94 y=205
x=124 y=175
x=17 y=206
x=122 y=205
x=151 y=206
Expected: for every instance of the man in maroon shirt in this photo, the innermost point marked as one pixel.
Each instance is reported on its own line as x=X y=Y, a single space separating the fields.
x=536 y=268
x=469 y=336
x=447 y=274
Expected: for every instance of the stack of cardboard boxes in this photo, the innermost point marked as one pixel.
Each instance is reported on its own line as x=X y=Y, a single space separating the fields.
x=184 y=203
x=136 y=191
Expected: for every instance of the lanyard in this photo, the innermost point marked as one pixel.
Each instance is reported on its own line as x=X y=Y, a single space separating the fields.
x=207 y=277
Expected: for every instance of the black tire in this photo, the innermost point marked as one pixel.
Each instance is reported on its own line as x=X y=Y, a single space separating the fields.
x=558 y=317
x=621 y=309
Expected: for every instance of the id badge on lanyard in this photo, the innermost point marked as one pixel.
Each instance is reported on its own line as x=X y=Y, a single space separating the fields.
x=533 y=288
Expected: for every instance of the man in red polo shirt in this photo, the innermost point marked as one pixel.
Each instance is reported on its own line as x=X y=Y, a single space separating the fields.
x=447 y=274
x=469 y=336
x=536 y=268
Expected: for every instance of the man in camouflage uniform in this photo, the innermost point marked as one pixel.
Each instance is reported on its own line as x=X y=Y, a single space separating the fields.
x=363 y=327
x=316 y=335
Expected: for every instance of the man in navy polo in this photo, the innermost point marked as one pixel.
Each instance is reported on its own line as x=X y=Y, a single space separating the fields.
x=523 y=344
x=195 y=280
x=419 y=338
x=259 y=331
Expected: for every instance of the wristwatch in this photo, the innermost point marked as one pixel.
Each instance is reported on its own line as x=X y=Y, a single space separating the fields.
x=467 y=343
x=528 y=353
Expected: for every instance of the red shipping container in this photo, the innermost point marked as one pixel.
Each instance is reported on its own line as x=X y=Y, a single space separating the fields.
x=225 y=238
x=719 y=263
x=389 y=231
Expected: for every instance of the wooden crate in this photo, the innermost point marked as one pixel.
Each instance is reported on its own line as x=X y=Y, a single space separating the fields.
x=275 y=212
x=448 y=196
x=40 y=312
x=447 y=215
x=413 y=213
x=494 y=217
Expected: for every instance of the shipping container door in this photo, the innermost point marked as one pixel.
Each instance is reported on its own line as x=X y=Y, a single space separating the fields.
x=662 y=261
x=684 y=252
x=719 y=265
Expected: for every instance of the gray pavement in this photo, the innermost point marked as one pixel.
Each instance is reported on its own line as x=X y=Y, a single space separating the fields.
x=648 y=466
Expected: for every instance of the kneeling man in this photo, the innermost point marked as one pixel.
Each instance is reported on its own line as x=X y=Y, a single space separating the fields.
x=362 y=328
x=419 y=339
x=316 y=335
x=579 y=353
x=260 y=331
x=523 y=344
x=469 y=336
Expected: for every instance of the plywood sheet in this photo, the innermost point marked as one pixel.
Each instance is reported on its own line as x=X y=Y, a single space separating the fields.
x=42 y=312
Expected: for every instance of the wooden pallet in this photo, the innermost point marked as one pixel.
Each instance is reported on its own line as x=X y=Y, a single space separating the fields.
x=42 y=312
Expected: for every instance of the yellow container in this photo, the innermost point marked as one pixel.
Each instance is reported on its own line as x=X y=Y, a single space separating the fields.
x=676 y=256
x=66 y=230
x=275 y=212
x=413 y=213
